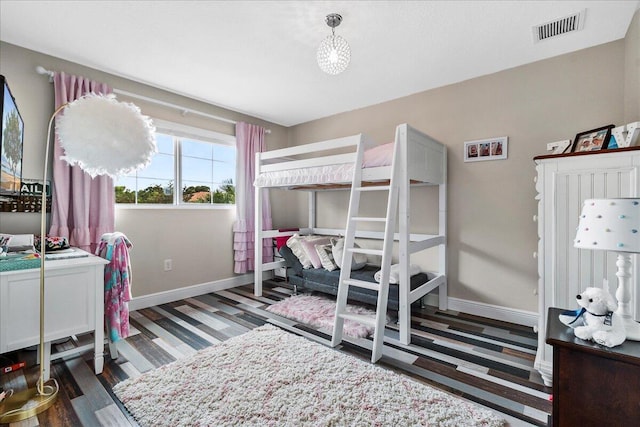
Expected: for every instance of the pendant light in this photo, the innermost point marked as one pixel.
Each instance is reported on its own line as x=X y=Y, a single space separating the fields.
x=334 y=52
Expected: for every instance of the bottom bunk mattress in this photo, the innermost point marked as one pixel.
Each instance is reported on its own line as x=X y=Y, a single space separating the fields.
x=325 y=281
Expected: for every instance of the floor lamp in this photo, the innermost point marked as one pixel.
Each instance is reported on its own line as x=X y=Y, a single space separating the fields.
x=614 y=225
x=103 y=137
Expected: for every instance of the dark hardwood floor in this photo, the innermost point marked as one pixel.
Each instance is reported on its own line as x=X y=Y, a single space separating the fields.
x=483 y=360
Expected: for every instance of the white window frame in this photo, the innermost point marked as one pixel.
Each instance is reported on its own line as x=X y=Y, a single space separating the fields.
x=185 y=131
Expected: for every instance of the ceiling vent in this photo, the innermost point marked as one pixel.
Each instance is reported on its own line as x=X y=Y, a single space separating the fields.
x=561 y=26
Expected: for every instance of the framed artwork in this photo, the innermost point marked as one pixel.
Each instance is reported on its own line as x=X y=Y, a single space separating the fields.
x=558 y=147
x=592 y=140
x=486 y=149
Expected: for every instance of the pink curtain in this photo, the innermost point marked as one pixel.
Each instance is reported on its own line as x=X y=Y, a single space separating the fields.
x=249 y=141
x=83 y=209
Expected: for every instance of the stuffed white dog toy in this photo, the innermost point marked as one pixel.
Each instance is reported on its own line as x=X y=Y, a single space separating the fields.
x=602 y=324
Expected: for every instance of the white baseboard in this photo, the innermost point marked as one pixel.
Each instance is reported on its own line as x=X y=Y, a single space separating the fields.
x=151 y=300
x=505 y=314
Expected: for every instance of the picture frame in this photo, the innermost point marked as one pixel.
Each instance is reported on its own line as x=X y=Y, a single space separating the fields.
x=486 y=149
x=558 y=147
x=592 y=140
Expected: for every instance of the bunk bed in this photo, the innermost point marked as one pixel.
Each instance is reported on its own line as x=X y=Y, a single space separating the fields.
x=332 y=164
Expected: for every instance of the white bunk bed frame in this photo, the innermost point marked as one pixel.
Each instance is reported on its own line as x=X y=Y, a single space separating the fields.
x=423 y=162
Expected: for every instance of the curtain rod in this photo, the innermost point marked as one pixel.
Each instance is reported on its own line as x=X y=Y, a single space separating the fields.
x=184 y=110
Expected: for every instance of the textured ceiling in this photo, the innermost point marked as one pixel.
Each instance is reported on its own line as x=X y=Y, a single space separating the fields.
x=258 y=57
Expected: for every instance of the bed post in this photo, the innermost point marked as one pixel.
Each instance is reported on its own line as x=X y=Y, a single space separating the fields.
x=312 y=211
x=443 y=300
x=257 y=243
x=404 y=287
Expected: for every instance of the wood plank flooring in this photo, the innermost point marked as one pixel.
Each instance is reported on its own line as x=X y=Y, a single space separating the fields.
x=482 y=360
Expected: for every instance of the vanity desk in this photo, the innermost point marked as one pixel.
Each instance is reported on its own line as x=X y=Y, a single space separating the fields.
x=74 y=304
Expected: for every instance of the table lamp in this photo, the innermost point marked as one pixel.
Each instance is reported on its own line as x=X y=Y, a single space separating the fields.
x=614 y=225
x=103 y=137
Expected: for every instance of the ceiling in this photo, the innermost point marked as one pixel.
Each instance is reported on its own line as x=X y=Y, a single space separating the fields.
x=259 y=57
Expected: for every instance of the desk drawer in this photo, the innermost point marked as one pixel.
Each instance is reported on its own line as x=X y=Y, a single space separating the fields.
x=70 y=300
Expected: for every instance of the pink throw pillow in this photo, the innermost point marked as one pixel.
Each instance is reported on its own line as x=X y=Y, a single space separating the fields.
x=381 y=155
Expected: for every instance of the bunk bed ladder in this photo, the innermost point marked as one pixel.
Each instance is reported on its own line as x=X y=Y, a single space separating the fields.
x=379 y=321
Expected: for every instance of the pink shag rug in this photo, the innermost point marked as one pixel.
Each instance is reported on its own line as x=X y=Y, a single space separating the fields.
x=320 y=312
x=271 y=378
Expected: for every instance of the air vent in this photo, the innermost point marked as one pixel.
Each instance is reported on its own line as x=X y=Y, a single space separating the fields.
x=558 y=27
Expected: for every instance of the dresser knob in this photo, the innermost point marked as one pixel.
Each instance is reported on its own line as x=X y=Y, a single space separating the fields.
x=535 y=255
x=535 y=218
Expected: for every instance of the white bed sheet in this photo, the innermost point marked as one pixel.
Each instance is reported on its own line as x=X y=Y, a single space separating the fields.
x=330 y=174
x=308 y=176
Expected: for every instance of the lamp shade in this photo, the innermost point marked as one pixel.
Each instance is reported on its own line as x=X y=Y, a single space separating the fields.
x=104 y=136
x=610 y=225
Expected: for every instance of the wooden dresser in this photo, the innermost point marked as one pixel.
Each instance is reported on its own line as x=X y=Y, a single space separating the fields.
x=593 y=385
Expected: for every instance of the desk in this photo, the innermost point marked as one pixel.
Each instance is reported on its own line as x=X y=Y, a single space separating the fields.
x=74 y=304
x=593 y=385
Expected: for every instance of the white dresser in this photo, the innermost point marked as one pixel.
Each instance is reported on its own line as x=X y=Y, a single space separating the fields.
x=74 y=304
x=563 y=182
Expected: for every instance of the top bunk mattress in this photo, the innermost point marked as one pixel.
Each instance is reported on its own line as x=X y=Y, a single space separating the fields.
x=376 y=162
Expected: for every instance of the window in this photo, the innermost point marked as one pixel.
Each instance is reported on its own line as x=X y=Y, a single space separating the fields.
x=208 y=172
x=193 y=167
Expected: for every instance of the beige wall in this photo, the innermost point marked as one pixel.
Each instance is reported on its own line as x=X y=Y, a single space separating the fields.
x=198 y=241
x=491 y=204
x=632 y=71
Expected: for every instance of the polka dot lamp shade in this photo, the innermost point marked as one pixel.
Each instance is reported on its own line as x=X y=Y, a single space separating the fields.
x=610 y=225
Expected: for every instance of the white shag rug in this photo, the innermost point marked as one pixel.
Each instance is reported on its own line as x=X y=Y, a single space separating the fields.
x=269 y=377
x=320 y=312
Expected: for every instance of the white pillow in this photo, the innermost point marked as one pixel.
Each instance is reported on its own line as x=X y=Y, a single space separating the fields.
x=357 y=261
x=326 y=257
x=295 y=244
x=309 y=246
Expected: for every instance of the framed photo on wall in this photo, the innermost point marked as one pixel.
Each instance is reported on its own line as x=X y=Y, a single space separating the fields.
x=592 y=140
x=486 y=149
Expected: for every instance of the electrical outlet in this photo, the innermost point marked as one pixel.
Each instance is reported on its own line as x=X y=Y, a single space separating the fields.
x=168 y=265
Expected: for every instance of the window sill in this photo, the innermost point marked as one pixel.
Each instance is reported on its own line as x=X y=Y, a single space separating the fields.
x=126 y=206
